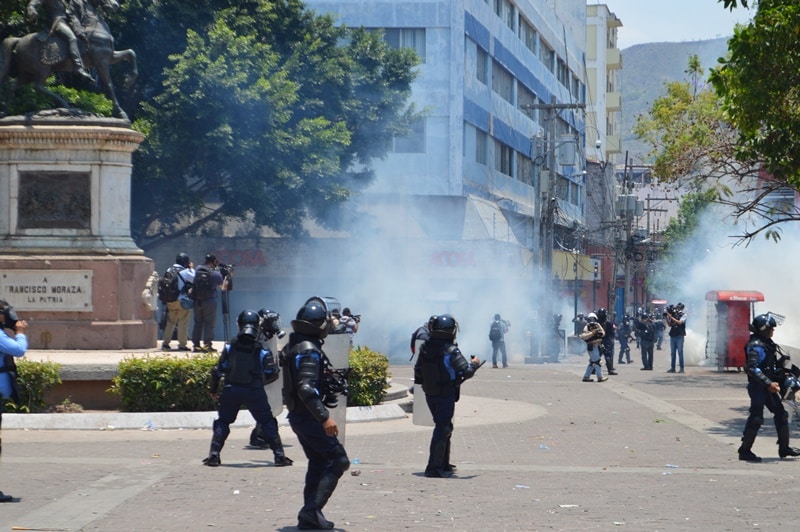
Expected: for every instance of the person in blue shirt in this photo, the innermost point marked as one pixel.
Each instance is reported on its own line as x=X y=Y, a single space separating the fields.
x=242 y=364
x=9 y=349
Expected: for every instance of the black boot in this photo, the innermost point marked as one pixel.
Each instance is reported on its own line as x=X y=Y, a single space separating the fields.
x=212 y=460
x=783 y=443
x=749 y=436
x=312 y=518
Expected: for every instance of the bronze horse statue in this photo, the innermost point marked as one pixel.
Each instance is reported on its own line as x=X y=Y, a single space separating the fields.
x=34 y=57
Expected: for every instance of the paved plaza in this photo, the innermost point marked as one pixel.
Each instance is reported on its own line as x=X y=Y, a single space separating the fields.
x=536 y=449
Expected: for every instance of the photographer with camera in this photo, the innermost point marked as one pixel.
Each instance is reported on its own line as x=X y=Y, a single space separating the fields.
x=208 y=278
x=10 y=348
x=676 y=321
x=765 y=373
x=348 y=321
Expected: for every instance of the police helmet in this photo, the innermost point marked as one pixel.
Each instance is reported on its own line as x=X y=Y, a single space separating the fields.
x=762 y=322
x=602 y=314
x=443 y=326
x=313 y=319
x=497 y=317
x=182 y=259
x=270 y=323
x=248 y=323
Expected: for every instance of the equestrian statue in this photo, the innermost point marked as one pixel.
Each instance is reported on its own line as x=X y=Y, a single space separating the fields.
x=76 y=39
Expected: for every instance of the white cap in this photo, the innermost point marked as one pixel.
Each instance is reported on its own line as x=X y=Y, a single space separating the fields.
x=592 y=315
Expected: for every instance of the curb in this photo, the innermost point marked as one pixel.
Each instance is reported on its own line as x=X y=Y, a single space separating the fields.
x=171 y=420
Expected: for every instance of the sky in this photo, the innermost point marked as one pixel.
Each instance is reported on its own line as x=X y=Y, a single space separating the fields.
x=649 y=21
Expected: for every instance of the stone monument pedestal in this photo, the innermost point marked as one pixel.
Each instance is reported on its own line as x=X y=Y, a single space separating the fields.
x=67 y=260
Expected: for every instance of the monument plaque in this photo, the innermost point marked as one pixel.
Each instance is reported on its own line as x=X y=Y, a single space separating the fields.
x=50 y=200
x=48 y=290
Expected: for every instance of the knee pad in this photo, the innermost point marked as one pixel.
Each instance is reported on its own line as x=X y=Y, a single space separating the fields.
x=341 y=462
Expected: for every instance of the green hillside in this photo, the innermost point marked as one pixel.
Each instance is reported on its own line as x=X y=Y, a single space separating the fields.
x=645 y=70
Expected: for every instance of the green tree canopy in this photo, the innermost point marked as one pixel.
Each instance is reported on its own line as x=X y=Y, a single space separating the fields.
x=760 y=86
x=263 y=111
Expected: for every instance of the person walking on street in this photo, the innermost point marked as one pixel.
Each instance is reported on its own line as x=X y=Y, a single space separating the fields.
x=624 y=337
x=647 y=338
x=309 y=391
x=497 y=335
x=676 y=320
x=607 y=345
x=593 y=334
x=441 y=369
x=10 y=348
x=765 y=373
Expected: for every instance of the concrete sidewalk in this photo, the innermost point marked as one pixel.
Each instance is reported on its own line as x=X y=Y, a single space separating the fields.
x=536 y=449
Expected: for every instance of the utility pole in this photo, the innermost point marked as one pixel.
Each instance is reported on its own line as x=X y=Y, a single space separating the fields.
x=546 y=204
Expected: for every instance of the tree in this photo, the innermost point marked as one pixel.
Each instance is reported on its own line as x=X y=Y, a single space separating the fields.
x=263 y=112
x=759 y=85
x=691 y=138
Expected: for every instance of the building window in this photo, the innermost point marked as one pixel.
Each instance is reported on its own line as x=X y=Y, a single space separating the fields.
x=481 y=147
x=505 y=10
x=482 y=66
x=413 y=38
x=414 y=142
x=527 y=34
x=525 y=98
x=546 y=55
x=503 y=158
x=502 y=82
x=524 y=168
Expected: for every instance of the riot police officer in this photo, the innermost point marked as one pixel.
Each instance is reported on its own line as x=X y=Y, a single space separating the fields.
x=607 y=345
x=440 y=369
x=242 y=363
x=764 y=374
x=308 y=391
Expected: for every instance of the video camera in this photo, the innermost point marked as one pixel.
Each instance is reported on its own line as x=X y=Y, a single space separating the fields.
x=225 y=269
x=357 y=317
x=270 y=324
x=10 y=316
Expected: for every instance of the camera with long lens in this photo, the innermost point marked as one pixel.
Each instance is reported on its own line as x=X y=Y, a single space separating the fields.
x=225 y=269
x=270 y=324
x=10 y=316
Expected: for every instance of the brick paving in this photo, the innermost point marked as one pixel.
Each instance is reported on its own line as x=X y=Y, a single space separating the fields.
x=536 y=449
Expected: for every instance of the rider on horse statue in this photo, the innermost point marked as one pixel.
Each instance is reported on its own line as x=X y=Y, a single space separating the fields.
x=60 y=20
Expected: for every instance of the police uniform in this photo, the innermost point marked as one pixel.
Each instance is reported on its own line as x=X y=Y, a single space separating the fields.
x=764 y=368
x=440 y=369
x=242 y=365
x=307 y=396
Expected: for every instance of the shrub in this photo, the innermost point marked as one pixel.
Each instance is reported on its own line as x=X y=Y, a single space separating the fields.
x=165 y=384
x=34 y=380
x=369 y=377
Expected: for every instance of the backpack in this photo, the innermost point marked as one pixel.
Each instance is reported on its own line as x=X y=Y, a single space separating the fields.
x=496 y=331
x=202 y=288
x=168 y=286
